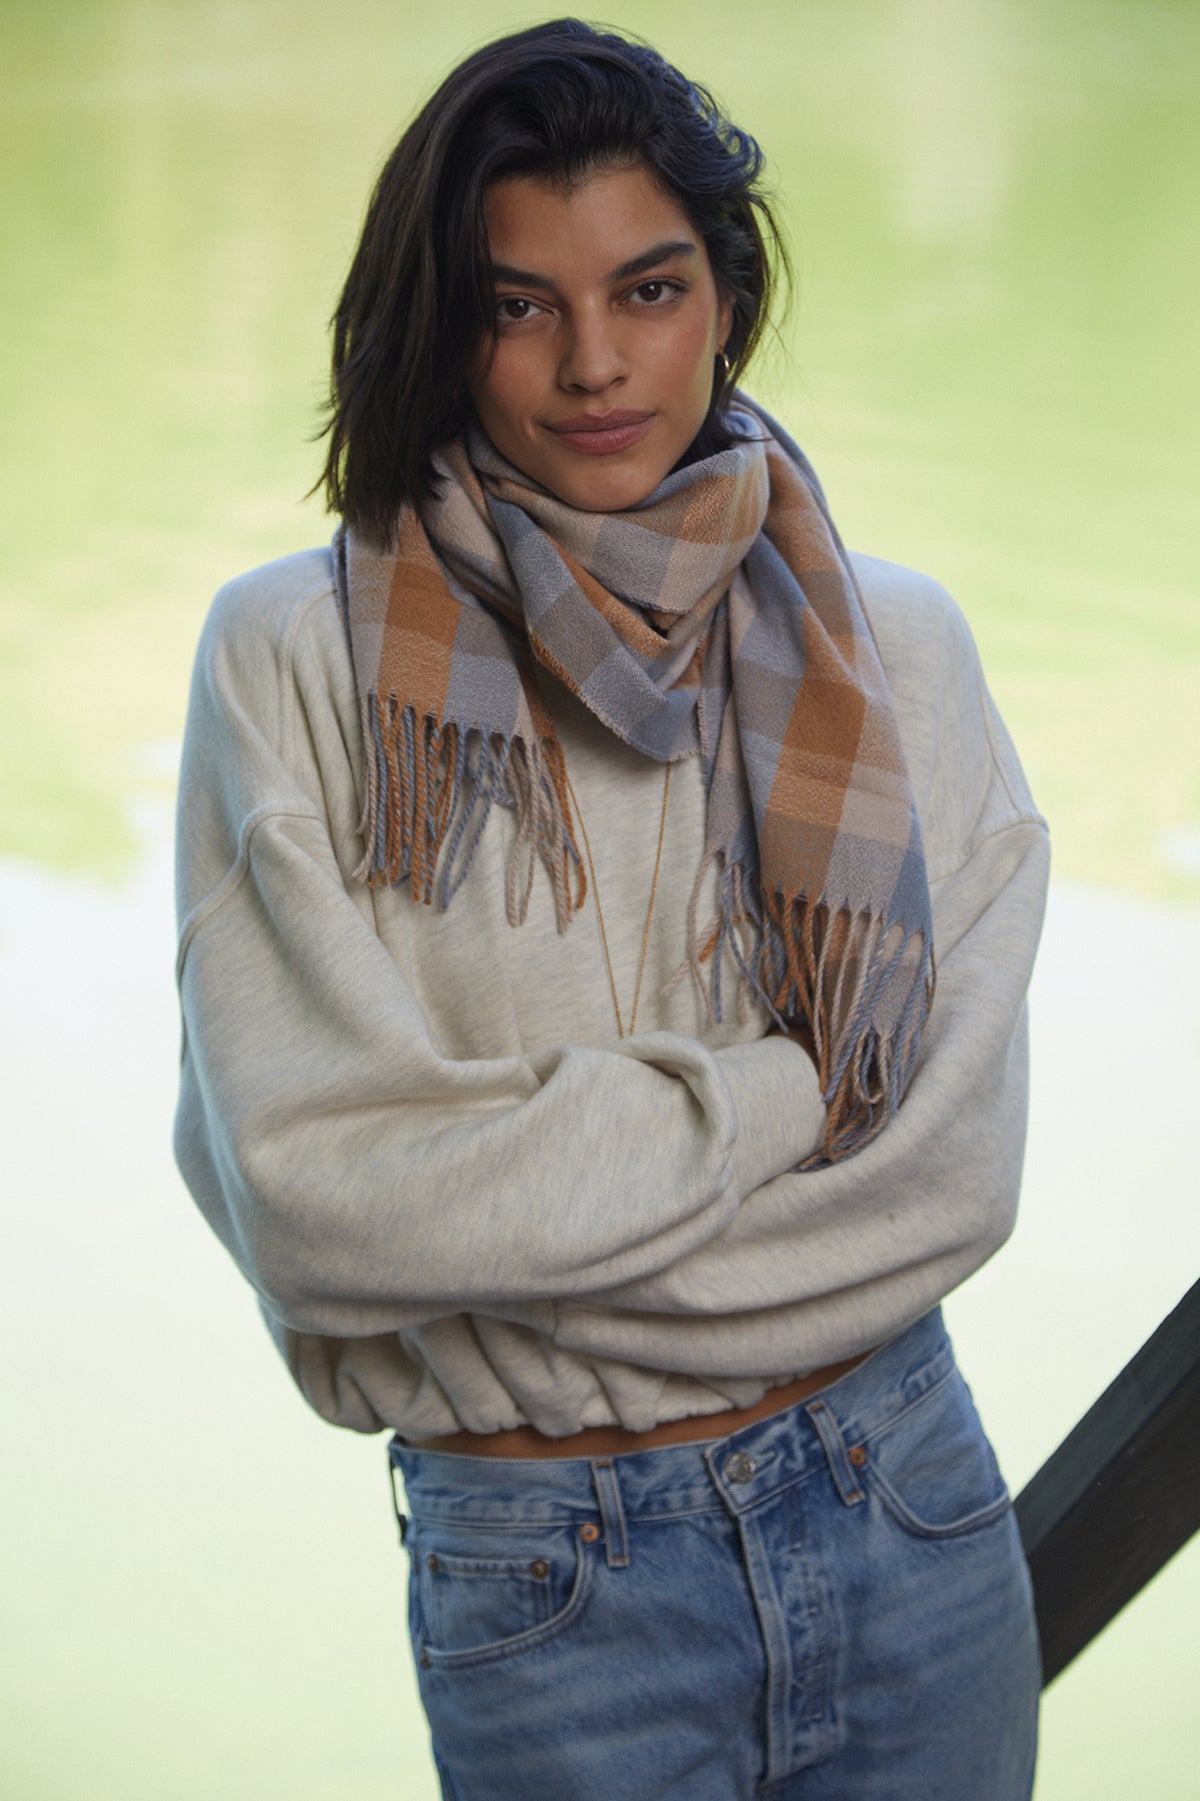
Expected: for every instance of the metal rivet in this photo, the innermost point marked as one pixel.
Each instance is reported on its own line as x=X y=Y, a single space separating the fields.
x=858 y=1457
x=589 y=1532
x=432 y=1561
x=424 y=1660
x=539 y=1567
x=739 y=1467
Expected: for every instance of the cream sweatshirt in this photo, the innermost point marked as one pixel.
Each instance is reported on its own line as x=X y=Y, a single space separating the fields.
x=462 y=1199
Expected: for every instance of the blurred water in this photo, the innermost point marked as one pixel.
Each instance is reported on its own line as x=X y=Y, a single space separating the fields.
x=992 y=361
x=992 y=357
x=204 y=1593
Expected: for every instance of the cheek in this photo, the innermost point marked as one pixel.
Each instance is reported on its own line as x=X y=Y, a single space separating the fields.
x=687 y=370
x=502 y=391
x=688 y=359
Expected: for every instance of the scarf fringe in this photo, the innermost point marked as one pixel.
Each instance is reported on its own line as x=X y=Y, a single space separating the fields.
x=842 y=973
x=829 y=971
x=428 y=793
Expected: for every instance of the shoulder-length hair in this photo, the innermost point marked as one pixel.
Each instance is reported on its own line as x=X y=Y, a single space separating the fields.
x=559 y=101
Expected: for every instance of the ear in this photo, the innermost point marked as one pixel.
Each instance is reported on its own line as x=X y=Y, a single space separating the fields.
x=724 y=318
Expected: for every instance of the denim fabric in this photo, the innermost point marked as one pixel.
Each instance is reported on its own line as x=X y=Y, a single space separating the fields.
x=828 y=1605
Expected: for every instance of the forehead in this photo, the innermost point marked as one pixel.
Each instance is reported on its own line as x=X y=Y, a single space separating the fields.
x=591 y=226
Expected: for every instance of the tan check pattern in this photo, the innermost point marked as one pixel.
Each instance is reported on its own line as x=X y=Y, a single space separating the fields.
x=720 y=618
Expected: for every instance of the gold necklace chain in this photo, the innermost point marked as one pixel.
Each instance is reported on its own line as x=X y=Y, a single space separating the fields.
x=612 y=982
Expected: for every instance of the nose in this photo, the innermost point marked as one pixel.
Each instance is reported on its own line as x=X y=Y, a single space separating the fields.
x=593 y=355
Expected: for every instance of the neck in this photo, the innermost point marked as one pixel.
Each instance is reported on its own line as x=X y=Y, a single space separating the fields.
x=713 y=436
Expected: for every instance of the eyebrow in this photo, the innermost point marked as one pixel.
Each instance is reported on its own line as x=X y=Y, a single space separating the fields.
x=638 y=265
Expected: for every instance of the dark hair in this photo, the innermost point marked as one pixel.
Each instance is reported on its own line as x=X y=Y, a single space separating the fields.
x=559 y=100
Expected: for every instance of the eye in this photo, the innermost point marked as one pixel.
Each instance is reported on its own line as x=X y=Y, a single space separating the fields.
x=511 y=309
x=657 y=291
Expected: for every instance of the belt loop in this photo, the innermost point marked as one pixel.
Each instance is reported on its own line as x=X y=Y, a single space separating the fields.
x=612 y=1514
x=401 y=1516
x=840 y=1467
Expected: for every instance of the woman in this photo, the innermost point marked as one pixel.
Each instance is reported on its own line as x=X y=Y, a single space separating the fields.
x=623 y=1177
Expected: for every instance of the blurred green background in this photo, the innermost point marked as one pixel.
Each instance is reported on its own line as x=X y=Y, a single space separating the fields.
x=991 y=358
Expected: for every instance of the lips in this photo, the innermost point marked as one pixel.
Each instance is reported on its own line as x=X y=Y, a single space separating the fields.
x=602 y=434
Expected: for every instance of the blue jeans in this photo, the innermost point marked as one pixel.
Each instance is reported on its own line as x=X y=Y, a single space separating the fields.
x=828 y=1605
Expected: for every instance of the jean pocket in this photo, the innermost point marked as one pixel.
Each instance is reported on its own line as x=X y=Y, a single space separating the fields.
x=933 y=1468
x=483 y=1594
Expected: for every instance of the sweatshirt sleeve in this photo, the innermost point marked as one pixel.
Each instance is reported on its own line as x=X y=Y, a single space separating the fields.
x=851 y=1252
x=363 y=1181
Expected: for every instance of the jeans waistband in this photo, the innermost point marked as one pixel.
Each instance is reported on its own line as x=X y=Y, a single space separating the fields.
x=743 y=1467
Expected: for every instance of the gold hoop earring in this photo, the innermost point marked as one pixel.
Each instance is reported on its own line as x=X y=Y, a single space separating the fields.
x=725 y=363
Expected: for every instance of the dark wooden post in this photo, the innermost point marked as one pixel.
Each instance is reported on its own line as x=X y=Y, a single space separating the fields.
x=1120 y=1495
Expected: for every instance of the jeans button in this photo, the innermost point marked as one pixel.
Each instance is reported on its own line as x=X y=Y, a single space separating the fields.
x=739 y=1467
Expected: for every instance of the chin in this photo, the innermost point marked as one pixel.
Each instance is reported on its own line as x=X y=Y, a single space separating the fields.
x=604 y=489
x=590 y=495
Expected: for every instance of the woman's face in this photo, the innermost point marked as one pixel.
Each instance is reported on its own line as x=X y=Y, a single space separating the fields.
x=608 y=325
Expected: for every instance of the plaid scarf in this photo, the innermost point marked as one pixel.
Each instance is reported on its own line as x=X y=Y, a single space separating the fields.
x=719 y=618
